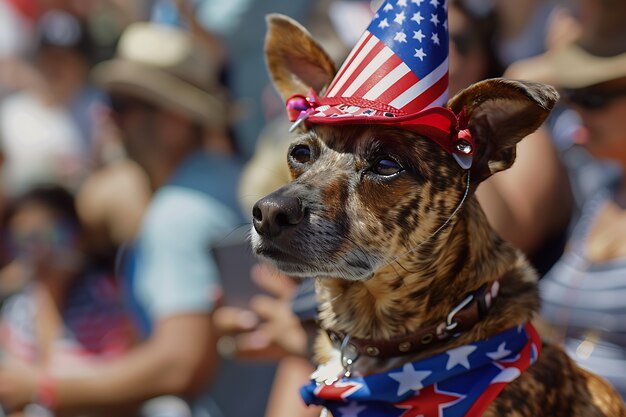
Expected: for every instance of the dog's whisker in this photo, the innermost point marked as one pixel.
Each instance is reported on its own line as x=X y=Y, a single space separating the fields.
x=403 y=267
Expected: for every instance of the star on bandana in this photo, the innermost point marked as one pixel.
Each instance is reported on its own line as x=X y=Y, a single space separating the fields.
x=459 y=356
x=502 y=352
x=352 y=410
x=409 y=379
x=433 y=407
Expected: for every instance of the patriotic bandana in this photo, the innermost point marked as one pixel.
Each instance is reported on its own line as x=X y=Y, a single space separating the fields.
x=397 y=74
x=460 y=382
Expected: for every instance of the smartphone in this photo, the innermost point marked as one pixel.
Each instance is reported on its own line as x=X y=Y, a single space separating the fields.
x=234 y=259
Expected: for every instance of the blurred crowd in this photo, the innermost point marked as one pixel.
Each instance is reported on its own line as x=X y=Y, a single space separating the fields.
x=135 y=136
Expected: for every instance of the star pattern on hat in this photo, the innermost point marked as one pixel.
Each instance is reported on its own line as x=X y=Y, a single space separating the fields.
x=399 y=19
x=400 y=37
x=390 y=17
x=417 y=17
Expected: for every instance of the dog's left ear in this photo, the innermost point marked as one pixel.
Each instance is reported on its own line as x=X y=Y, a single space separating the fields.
x=500 y=113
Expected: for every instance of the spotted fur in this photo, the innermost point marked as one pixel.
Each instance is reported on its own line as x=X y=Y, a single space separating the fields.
x=393 y=252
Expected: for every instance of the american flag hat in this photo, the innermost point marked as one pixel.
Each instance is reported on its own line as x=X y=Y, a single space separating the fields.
x=397 y=74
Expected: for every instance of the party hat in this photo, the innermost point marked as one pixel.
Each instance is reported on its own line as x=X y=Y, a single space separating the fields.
x=396 y=74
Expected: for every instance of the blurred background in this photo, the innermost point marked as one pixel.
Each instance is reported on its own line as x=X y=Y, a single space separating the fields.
x=135 y=136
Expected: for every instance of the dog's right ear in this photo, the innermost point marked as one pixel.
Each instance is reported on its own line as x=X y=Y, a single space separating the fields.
x=500 y=113
x=295 y=61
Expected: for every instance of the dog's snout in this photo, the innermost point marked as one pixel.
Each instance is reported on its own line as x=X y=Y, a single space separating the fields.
x=272 y=214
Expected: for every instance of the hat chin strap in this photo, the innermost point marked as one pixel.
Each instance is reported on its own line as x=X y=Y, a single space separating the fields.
x=465 y=161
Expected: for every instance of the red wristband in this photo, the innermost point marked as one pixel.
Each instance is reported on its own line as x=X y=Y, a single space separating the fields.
x=46 y=394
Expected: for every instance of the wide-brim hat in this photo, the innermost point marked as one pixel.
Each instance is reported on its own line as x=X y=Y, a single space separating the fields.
x=570 y=67
x=396 y=74
x=597 y=55
x=166 y=66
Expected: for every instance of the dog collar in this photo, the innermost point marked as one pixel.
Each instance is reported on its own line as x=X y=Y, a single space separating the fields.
x=462 y=381
x=460 y=319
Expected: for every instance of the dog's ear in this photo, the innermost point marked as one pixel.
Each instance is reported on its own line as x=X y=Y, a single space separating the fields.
x=295 y=61
x=500 y=113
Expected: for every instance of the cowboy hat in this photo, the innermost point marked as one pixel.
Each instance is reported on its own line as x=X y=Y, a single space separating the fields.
x=598 y=56
x=166 y=66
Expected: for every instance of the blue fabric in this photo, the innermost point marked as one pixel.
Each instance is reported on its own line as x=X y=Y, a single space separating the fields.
x=127 y=263
x=171 y=270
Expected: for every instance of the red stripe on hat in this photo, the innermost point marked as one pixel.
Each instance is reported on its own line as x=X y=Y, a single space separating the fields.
x=398 y=88
x=365 y=62
x=389 y=65
x=428 y=97
x=357 y=49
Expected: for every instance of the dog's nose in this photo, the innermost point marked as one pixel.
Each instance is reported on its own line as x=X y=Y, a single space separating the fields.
x=272 y=214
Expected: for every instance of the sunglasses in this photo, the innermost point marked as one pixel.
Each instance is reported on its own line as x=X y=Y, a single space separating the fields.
x=589 y=99
x=122 y=104
x=58 y=236
x=463 y=42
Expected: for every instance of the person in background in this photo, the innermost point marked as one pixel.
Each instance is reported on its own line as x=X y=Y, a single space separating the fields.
x=524 y=28
x=69 y=315
x=173 y=119
x=47 y=126
x=514 y=200
x=583 y=294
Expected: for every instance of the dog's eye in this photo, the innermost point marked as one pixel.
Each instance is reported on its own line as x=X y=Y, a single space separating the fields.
x=301 y=154
x=386 y=167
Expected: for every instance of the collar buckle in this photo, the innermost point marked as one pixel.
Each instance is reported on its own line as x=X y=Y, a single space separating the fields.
x=450 y=323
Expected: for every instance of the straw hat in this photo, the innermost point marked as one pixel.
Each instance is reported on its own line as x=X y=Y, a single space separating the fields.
x=166 y=66
x=598 y=56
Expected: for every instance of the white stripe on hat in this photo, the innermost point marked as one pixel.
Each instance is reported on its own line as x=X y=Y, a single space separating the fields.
x=371 y=67
x=422 y=85
x=352 y=66
x=387 y=81
x=441 y=101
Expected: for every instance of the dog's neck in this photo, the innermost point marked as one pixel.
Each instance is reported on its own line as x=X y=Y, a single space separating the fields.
x=422 y=288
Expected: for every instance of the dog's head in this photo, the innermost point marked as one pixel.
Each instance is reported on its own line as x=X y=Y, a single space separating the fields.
x=363 y=195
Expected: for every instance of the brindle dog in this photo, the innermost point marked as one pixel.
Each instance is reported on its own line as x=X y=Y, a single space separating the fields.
x=372 y=214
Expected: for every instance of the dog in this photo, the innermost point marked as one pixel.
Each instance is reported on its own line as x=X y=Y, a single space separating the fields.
x=388 y=224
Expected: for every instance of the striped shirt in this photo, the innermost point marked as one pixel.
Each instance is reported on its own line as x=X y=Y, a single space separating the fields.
x=585 y=302
x=95 y=324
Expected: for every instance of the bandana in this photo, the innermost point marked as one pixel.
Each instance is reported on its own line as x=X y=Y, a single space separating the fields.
x=460 y=382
